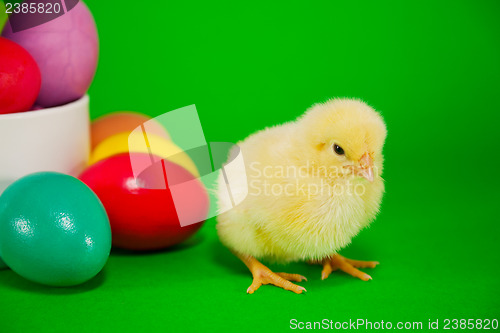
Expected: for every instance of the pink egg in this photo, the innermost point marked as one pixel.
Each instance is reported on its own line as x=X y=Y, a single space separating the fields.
x=19 y=78
x=66 y=50
x=36 y=108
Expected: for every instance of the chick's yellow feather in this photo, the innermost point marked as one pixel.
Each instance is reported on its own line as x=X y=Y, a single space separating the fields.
x=304 y=201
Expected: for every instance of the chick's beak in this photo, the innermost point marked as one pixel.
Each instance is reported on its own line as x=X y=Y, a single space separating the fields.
x=365 y=167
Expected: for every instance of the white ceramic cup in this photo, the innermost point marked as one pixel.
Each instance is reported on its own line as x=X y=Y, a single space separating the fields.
x=52 y=139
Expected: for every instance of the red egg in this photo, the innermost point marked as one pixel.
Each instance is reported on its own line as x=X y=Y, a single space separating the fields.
x=141 y=210
x=20 y=78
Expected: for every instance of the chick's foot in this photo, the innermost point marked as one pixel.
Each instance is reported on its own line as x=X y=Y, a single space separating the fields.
x=336 y=262
x=263 y=275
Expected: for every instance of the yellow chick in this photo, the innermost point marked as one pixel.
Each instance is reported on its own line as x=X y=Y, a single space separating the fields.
x=313 y=184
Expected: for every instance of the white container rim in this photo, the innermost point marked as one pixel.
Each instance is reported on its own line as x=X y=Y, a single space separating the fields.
x=45 y=111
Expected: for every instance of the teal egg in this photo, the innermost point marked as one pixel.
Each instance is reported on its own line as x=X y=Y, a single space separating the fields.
x=53 y=229
x=3 y=265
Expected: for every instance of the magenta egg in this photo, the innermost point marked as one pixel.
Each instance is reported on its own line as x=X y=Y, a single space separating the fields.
x=66 y=51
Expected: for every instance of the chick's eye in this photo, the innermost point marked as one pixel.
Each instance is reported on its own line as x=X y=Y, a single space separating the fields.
x=338 y=150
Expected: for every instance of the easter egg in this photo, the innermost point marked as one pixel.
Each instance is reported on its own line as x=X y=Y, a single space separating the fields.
x=135 y=142
x=143 y=216
x=120 y=122
x=2 y=264
x=19 y=78
x=53 y=229
x=66 y=51
x=36 y=107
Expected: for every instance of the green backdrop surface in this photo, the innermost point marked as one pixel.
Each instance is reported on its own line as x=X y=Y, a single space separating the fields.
x=431 y=68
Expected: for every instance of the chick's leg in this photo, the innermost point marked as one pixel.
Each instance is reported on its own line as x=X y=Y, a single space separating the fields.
x=263 y=275
x=349 y=266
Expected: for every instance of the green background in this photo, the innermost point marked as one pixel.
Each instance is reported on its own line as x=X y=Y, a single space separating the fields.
x=431 y=68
